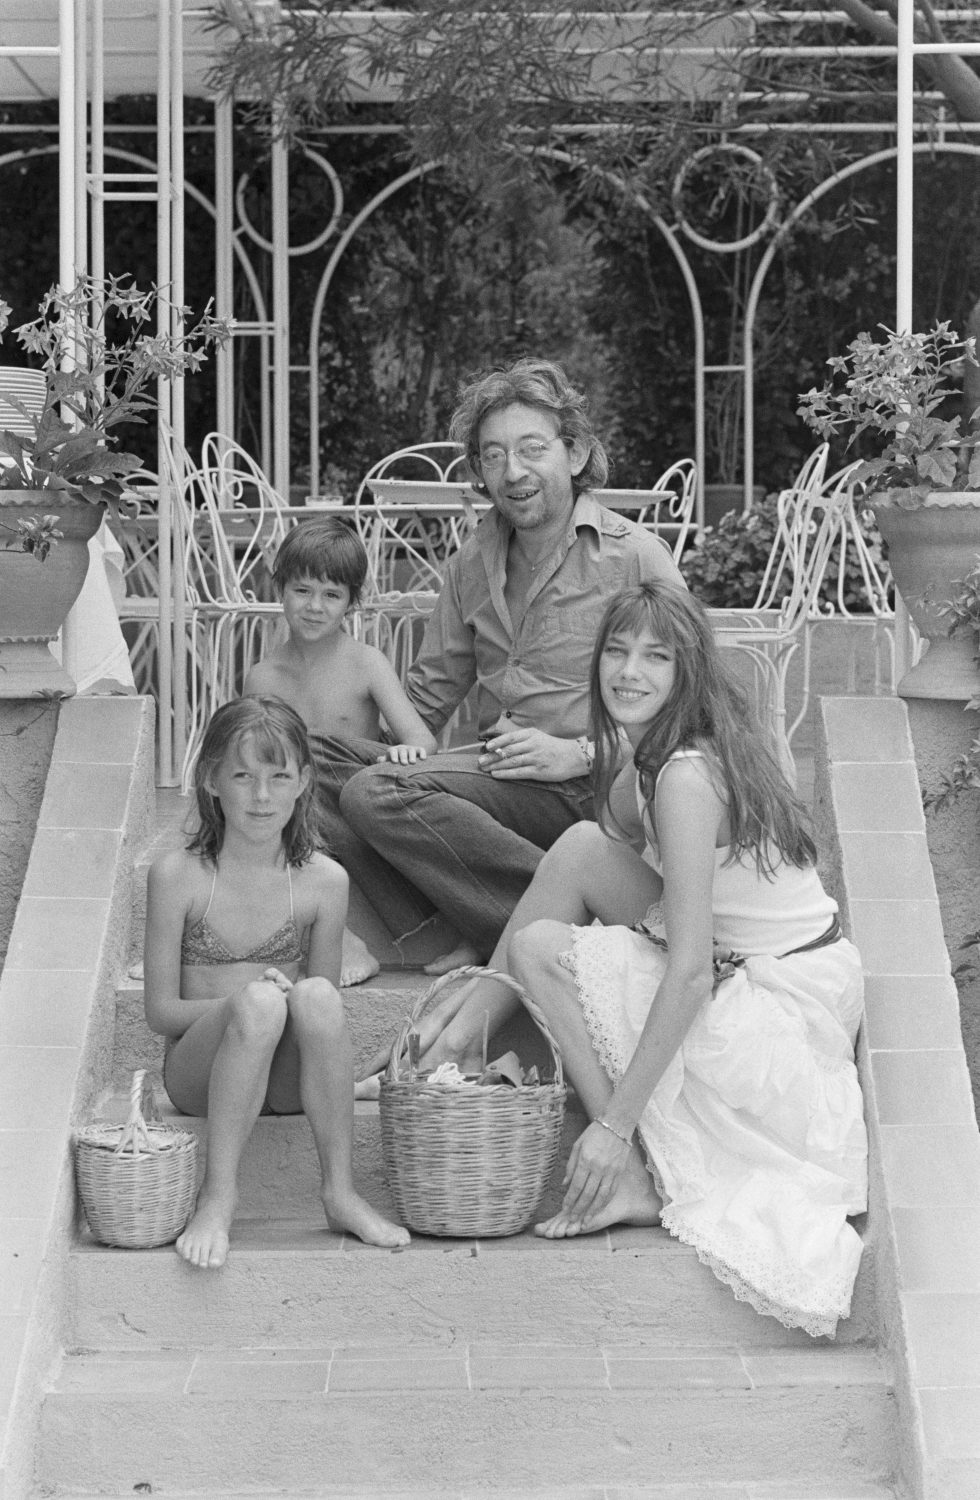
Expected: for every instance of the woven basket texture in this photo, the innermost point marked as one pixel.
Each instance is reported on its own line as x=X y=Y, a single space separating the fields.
x=469 y=1162
x=137 y=1181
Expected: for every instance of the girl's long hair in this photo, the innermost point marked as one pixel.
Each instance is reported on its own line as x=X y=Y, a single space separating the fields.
x=278 y=735
x=706 y=709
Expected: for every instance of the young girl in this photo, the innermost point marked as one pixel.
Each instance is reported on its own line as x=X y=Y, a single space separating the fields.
x=242 y=960
x=709 y=1033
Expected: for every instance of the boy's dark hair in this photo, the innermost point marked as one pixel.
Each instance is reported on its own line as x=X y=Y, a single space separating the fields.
x=323 y=547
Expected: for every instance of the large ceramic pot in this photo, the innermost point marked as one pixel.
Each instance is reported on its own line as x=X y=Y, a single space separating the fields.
x=928 y=548
x=35 y=597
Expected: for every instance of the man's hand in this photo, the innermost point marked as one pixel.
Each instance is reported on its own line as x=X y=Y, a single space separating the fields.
x=531 y=755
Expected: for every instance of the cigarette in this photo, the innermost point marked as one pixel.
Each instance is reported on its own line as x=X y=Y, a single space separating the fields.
x=458 y=749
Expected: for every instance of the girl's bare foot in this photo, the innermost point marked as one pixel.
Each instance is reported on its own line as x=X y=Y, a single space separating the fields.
x=357 y=963
x=348 y=1213
x=368 y=1088
x=635 y=1201
x=204 y=1242
x=461 y=956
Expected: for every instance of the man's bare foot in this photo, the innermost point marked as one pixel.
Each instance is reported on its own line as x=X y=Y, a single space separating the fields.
x=204 y=1242
x=356 y=962
x=461 y=956
x=348 y=1213
x=635 y=1202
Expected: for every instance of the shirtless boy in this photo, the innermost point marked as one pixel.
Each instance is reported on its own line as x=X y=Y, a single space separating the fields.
x=339 y=686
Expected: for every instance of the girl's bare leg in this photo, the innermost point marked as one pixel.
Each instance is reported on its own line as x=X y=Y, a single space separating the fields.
x=220 y=1067
x=316 y=1065
x=534 y=955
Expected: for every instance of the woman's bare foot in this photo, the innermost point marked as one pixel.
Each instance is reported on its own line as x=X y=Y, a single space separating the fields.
x=204 y=1242
x=461 y=956
x=356 y=962
x=348 y=1213
x=635 y=1201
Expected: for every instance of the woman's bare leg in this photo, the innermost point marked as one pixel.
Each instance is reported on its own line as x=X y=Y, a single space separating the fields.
x=315 y=1067
x=534 y=956
x=220 y=1067
x=583 y=876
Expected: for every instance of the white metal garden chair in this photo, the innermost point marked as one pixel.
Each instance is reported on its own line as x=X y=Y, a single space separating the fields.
x=412 y=510
x=770 y=632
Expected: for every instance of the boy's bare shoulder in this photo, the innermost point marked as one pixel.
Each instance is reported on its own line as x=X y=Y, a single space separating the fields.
x=268 y=674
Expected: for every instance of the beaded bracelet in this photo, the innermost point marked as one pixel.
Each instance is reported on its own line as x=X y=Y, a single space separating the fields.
x=627 y=1140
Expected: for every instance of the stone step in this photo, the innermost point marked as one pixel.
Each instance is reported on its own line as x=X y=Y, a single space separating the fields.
x=699 y=1490
x=288 y=1280
x=374 y=1010
x=507 y=1411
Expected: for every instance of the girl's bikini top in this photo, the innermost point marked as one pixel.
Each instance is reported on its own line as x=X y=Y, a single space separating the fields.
x=202 y=945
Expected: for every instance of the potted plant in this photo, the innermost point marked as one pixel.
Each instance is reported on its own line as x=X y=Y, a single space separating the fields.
x=60 y=468
x=924 y=485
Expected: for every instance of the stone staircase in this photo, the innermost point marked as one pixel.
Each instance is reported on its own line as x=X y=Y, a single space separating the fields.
x=614 y=1367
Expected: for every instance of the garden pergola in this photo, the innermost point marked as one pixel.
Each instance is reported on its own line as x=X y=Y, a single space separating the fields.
x=83 y=52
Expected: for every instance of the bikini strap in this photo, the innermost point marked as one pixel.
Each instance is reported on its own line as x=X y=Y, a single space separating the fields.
x=214 y=882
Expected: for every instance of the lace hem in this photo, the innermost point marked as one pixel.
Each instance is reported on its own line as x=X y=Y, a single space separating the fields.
x=769 y=1293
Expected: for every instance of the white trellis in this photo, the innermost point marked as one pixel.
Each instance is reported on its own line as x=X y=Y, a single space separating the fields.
x=82 y=51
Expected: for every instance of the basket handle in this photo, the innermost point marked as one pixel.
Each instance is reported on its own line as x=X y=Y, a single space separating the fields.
x=470 y=971
x=135 y=1136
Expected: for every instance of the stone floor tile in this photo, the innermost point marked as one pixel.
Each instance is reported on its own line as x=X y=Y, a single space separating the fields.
x=72 y=942
x=214 y=1376
x=78 y=795
x=874 y=796
x=939 y=1253
x=931 y=1166
x=951 y=1418
x=44 y=1007
x=529 y=1370
x=534 y=1244
x=33 y=1079
x=655 y=1371
x=906 y=1013
x=899 y=937
x=866 y=729
x=840 y=1489
x=399 y=1373
x=944 y=1337
x=633 y=1237
x=817 y=1366
x=127 y=1375
x=21 y=1253
x=30 y=1164
x=73 y=862
x=921 y=1088
x=887 y=865
x=82 y=730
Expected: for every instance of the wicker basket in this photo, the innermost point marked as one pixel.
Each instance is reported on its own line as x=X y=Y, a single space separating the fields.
x=136 y=1181
x=469 y=1162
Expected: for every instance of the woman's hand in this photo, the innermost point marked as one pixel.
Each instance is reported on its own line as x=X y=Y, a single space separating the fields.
x=594 y=1172
x=532 y=755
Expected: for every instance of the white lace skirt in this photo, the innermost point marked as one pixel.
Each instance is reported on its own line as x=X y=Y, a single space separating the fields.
x=755 y=1133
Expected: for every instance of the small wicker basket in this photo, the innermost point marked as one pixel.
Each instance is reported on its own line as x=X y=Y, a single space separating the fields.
x=469 y=1162
x=137 y=1180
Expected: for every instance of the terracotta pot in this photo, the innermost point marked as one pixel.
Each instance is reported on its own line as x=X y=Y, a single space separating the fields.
x=35 y=597
x=928 y=548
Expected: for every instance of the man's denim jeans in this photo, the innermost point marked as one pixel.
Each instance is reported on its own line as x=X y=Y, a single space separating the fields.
x=440 y=835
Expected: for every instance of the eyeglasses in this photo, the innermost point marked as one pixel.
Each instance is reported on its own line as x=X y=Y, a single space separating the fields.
x=531 y=451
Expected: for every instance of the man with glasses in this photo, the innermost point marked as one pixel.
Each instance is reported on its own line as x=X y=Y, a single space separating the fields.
x=517 y=616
